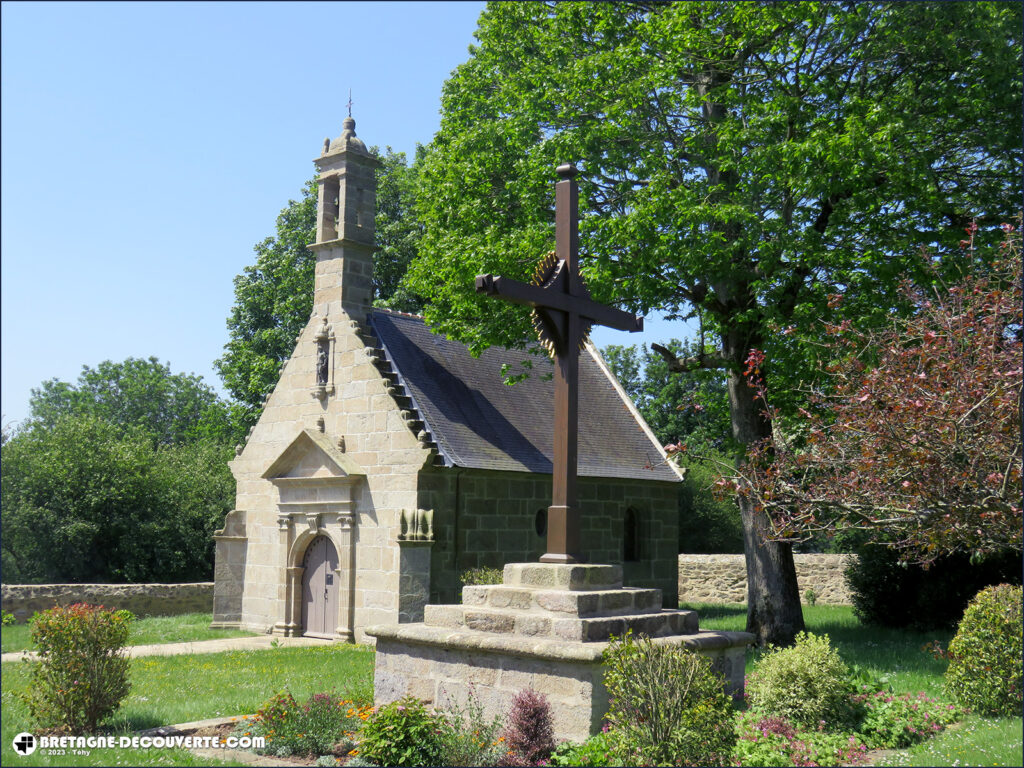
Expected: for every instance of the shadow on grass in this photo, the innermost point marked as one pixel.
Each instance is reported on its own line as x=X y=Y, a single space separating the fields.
x=714 y=612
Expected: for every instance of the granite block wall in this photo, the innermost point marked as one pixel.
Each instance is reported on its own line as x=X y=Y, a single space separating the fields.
x=141 y=599
x=723 y=578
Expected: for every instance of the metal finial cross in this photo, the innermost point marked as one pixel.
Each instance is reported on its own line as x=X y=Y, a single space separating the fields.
x=349 y=104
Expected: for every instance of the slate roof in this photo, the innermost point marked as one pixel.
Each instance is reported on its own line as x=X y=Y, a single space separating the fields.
x=478 y=421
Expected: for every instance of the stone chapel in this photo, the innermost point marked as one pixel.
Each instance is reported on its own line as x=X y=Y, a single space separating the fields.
x=387 y=459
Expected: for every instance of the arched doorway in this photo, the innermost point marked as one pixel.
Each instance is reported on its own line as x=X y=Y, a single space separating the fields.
x=320 y=589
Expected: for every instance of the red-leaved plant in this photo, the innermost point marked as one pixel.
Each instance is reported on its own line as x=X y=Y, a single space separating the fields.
x=529 y=734
x=914 y=431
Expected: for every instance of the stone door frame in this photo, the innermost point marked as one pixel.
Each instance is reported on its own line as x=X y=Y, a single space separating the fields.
x=298 y=530
x=315 y=482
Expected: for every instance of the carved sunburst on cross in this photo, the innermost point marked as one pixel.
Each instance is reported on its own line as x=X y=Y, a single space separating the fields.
x=551 y=274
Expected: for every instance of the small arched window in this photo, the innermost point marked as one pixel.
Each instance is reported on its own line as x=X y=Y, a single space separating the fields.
x=631 y=536
x=540 y=522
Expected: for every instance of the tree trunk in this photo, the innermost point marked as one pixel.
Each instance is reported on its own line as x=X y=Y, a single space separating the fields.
x=773 y=597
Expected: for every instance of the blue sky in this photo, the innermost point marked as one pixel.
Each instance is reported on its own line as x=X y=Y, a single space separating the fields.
x=147 y=147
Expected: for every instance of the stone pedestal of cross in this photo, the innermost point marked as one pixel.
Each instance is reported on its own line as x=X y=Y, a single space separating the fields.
x=563 y=313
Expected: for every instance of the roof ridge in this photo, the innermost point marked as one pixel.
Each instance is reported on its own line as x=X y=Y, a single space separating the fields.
x=388 y=311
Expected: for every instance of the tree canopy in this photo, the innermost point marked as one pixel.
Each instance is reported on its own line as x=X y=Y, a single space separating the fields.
x=274 y=296
x=89 y=500
x=119 y=477
x=173 y=408
x=740 y=163
x=692 y=410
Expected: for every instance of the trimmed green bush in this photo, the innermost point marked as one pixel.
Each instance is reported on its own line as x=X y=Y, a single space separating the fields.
x=807 y=684
x=403 y=733
x=984 y=671
x=667 y=706
x=81 y=676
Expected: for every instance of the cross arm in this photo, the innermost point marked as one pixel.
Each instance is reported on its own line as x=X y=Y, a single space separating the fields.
x=547 y=298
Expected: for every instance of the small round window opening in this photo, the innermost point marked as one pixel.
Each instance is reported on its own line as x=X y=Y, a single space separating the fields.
x=540 y=522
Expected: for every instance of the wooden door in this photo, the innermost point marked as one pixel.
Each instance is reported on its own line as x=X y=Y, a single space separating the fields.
x=320 y=589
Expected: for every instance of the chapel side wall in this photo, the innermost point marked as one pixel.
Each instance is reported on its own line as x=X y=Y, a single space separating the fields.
x=496 y=525
x=376 y=438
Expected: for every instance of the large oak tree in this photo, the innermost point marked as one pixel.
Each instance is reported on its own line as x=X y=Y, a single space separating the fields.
x=740 y=162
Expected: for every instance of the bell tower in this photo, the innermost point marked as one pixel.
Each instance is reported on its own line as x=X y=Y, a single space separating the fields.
x=346 y=205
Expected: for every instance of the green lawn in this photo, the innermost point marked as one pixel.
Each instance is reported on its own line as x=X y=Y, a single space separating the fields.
x=896 y=655
x=176 y=689
x=151 y=630
x=982 y=741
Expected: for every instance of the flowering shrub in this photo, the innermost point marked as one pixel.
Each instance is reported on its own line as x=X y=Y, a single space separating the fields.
x=894 y=721
x=807 y=684
x=324 y=725
x=667 y=706
x=985 y=668
x=529 y=733
x=403 y=733
x=468 y=737
x=81 y=676
x=776 y=741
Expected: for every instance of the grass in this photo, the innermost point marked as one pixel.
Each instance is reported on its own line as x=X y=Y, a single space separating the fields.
x=898 y=657
x=176 y=689
x=988 y=741
x=152 y=630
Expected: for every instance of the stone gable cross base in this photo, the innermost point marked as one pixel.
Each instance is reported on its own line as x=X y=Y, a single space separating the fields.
x=544 y=628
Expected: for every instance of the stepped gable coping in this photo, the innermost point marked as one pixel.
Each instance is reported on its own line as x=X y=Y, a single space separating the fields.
x=414 y=409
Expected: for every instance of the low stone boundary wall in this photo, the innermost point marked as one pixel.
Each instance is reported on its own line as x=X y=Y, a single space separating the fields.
x=723 y=578
x=141 y=599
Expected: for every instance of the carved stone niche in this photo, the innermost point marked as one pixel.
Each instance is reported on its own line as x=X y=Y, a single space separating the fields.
x=324 y=367
x=315 y=498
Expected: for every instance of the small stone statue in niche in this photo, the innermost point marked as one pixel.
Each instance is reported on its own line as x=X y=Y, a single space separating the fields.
x=322 y=351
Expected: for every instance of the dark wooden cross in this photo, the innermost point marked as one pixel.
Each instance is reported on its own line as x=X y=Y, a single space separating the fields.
x=563 y=313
